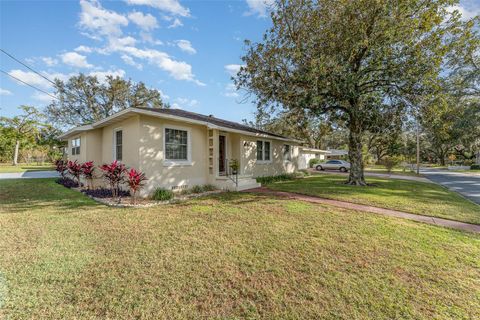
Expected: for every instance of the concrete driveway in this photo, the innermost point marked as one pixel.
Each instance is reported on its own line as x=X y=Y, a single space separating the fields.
x=29 y=175
x=466 y=184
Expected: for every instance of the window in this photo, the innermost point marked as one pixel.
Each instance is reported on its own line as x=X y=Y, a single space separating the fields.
x=176 y=145
x=118 y=144
x=287 y=155
x=263 y=150
x=75 y=146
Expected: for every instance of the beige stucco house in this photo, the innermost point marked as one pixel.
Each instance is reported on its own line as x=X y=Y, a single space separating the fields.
x=177 y=149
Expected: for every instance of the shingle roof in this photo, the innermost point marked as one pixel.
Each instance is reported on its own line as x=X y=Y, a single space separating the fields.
x=211 y=119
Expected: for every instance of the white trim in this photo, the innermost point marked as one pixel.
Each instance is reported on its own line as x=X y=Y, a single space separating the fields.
x=175 y=163
x=115 y=130
x=263 y=152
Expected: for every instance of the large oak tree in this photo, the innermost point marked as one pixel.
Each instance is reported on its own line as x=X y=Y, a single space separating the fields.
x=358 y=60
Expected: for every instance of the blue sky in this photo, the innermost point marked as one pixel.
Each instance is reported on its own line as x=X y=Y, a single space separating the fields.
x=186 y=49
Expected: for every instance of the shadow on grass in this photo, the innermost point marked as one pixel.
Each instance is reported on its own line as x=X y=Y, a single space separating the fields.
x=24 y=195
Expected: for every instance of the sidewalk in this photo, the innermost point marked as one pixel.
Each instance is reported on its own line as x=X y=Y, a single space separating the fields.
x=29 y=175
x=359 y=207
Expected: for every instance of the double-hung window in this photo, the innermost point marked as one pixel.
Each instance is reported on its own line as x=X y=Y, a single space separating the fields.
x=176 y=145
x=263 y=150
x=287 y=155
x=118 y=137
x=75 y=146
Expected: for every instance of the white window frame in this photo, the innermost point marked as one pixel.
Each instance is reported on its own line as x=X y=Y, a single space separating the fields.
x=263 y=151
x=75 y=146
x=115 y=143
x=289 y=152
x=170 y=163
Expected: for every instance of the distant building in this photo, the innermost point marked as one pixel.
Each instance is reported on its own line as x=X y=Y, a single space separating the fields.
x=337 y=154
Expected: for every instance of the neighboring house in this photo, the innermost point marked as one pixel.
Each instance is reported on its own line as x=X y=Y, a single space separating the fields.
x=177 y=149
x=306 y=154
x=337 y=154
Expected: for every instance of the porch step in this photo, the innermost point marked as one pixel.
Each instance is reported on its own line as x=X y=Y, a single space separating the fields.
x=244 y=183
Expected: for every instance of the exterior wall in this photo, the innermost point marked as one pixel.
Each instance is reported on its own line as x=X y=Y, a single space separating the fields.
x=167 y=175
x=250 y=166
x=130 y=138
x=78 y=157
x=305 y=157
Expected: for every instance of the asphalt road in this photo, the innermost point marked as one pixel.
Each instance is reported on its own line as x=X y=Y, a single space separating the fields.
x=466 y=184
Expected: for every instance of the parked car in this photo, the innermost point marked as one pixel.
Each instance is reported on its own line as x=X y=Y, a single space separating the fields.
x=341 y=165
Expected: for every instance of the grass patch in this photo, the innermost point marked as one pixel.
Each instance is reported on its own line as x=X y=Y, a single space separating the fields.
x=4 y=168
x=396 y=171
x=231 y=256
x=410 y=196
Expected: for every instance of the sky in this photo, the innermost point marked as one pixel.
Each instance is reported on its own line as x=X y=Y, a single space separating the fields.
x=188 y=50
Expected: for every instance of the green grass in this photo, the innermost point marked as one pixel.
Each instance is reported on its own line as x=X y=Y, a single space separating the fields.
x=8 y=168
x=396 y=171
x=410 y=196
x=230 y=256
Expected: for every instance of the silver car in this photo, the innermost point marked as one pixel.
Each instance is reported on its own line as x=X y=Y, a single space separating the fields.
x=341 y=165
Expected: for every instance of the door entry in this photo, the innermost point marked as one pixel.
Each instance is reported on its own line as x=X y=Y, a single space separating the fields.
x=222 y=155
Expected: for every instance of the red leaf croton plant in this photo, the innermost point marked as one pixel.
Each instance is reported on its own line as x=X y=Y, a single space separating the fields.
x=135 y=180
x=61 y=167
x=75 y=169
x=88 y=170
x=113 y=173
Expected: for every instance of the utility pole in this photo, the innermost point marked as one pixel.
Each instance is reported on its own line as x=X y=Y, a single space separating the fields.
x=418 y=148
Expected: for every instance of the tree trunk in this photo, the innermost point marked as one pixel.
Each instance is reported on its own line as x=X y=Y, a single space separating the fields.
x=15 y=155
x=356 y=176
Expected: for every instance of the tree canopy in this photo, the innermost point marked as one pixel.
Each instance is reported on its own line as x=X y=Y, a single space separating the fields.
x=84 y=99
x=357 y=60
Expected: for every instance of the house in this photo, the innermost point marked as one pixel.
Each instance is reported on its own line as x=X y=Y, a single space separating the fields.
x=306 y=154
x=337 y=154
x=177 y=149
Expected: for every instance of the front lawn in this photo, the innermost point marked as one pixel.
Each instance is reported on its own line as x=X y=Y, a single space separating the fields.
x=410 y=196
x=232 y=256
x=8 y=168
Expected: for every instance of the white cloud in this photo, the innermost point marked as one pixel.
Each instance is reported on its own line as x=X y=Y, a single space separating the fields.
x=466 y=12
x=129 y=60
x=230 y=91
x=49 y=61
x=146 y=22
x=31 y=78
x=102 y=75
x=186 y=46
x=176 y=23
x=259 y=7
x=184 y=103
x=233 y=69
x=43 y=97
x=170 y=6
x=164 y=96
x=95 y=18
x=147 y=37
x=83 y=49
x=5 y=92
x=179 y=70
x=75 y=60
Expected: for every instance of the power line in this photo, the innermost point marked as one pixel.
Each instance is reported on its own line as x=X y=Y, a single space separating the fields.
x=28 y=84
x=27 y=66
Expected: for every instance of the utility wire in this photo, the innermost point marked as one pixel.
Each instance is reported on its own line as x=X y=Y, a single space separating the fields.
x=27 y=66
x=28 y=84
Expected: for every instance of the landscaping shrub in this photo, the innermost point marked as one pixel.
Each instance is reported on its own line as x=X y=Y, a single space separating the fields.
x=272 y=179
x=105 y=193
x=197 y=189
x=305 y=172
x=114 y=174
x=475 y=167
x=87 y=170
x=61 y=167
x=75 y=169
x=391 y=162
x=161 y=194
x=313 y=162
x=209 y=187
x=67 y=182
x=136 y=181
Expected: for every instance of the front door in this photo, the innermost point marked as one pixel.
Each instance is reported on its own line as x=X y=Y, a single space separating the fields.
x=222 y=155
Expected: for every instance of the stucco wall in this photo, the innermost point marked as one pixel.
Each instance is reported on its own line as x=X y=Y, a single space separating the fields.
x=130 y=138
x=83 y=147
x=277 y=165
x=168 y=175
